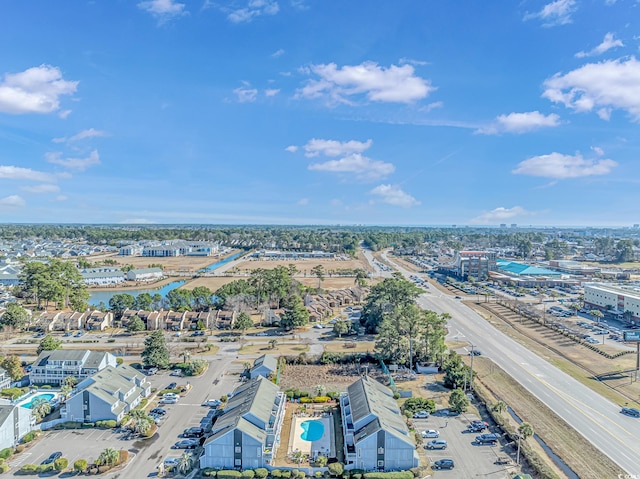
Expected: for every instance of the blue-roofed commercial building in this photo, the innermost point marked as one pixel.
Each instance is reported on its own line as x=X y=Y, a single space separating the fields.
x=522 y=274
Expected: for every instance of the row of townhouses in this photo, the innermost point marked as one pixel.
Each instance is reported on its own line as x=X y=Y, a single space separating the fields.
x=71 y=320
x=177 y=321
x=109 y=276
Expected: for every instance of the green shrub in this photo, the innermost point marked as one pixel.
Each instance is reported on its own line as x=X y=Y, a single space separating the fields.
x=336 y=469
x=80 y=465
x=42 y=468
x=209 y=472
x=46 y=386
x=286 y=474
x=261 y=473
x=30 y=436
x=248 y=474
x=107 y=424
x=318 y=474
x=389 y=475
x=6 y=453
x=356 y=476
x=61 y=464
x=119 y=361
x=4 y=468
x=228 y=474
x=89 y=424
x=166 y=391
x=14 y=393
x=28 y=469
x=276 y=473
x=321 y=399
x=301 y=474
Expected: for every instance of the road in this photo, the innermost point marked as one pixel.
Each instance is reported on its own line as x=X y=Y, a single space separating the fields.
x=591 y=415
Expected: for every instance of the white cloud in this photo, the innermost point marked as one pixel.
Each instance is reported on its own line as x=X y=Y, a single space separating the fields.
x=554 y=13
x=607 y=44
x=163 y=10
x=13 y=201
x=303 y=201
x=18 y=173
x=79 y=164
x=520 y=123
x=559 y=166
x=64 y=114
x=271 y=91
x=246 y=95
x=44 y=188
x=432 y=106
x=606 y=85
x=394 y=195
x=62 y=198
x=395 y=84
x=254 y=8
x=363 y=168
x=277 y=53
x=291 y=148
x=499 y=214
x=316 y=147
x=35 y=90
x=90 y=133
x=598 y=151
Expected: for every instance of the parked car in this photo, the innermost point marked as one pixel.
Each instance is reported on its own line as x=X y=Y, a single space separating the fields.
x=212 y=403
x=171 y=462
x=436 y=444
x=487 y=439
x=262 y=334
x=51 y=459
x=430 y=433
x=476 y=427
x=193 y=432
x=475 y=352
x=173 y=385
x=152 y=371
x=630 y=411
x=186 y=444
x=176 y=372
x=443 y=464
x=158 y=411
x=420 y=414
x=170 y=400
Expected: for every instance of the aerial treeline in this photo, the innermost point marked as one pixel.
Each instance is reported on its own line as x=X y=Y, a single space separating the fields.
x=406 y=333
x=57 y=282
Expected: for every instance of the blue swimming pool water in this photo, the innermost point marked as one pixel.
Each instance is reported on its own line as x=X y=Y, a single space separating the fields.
x=46 y=396
x=312 y=430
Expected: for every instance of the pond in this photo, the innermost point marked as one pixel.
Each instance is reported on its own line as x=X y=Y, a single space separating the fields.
x=105 y=296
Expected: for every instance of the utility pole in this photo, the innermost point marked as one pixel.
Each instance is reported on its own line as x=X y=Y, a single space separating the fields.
x=471 y=367
x=518 y=455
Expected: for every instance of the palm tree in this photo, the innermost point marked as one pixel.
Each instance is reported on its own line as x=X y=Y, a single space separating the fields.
x=40 y=408
x=525 y=430
x=597 y=315
x=108 y=457
x=499 y=407
x=185 y=463
x=273 y=343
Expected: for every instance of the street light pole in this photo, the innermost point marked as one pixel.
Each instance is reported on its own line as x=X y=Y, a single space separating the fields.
x=518 y=455
x=471 y=368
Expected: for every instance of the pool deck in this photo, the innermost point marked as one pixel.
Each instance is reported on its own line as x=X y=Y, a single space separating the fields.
x=324 y=446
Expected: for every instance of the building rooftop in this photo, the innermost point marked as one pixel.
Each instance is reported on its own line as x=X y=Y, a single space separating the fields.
x=631 y=291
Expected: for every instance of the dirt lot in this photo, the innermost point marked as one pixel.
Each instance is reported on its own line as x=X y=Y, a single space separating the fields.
x=334 y=377
x=178 y=263
x=212 y=282
x=577 y=452
x=350 y=346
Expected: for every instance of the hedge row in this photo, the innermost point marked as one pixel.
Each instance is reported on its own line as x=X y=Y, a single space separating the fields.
x=262 y=473
x=316 y=399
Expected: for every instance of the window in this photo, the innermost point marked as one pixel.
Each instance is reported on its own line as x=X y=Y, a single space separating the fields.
x=238 y=462
x=380 y=463
x=359 y=452
x=238 y=449
x=381 y=450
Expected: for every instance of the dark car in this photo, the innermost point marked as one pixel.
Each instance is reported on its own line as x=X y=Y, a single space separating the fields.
x=172 y=386
x=630 y=411
x=476 y=427
x=475 y=352
x=51 y=459
x=186 y=444
x=487 y=439
x=193 y=432
x=443 y=464
x=158 y=411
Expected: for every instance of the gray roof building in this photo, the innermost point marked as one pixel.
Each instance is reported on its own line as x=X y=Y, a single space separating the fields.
x=52 y=367
x=265 y=365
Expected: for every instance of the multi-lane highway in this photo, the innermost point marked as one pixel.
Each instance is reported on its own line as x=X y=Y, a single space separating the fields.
x=593 y=416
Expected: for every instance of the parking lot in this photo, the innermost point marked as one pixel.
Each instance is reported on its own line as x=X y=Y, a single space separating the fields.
x=73 y=444
x=470 y=460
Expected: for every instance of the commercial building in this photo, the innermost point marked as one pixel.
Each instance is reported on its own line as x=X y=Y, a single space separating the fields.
x=107 y=395
x=247 y=434
x=621 y=301
x=471 y=264
x=376 y=436
x=573 y=267
x=52 y=367
x=102 y=277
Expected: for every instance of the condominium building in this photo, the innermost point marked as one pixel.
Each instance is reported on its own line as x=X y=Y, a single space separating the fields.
x=52 y=367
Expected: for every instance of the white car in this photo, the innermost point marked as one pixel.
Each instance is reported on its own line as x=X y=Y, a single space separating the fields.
x=168 y=401
x=212 y=403
x=171 y=462
x=318 y=326
x=432 y=433
x=262 y=334
x=420 y=415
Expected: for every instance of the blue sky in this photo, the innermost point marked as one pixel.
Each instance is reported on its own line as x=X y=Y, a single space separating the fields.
x=320 y=111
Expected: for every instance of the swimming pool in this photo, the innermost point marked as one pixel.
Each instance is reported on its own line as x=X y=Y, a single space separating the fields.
x=46 y=396
x=312 y=430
